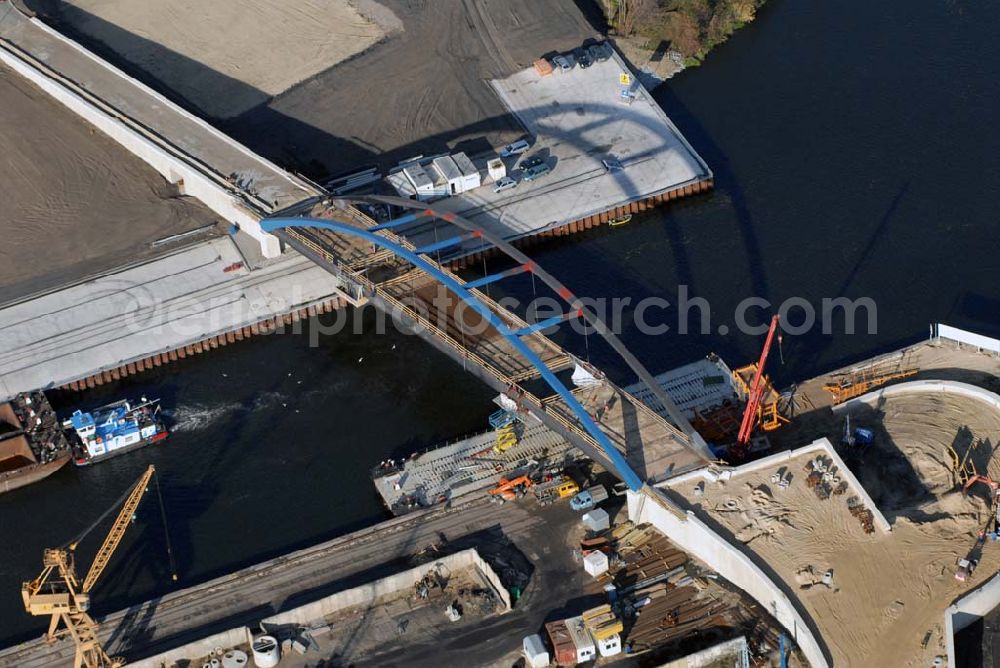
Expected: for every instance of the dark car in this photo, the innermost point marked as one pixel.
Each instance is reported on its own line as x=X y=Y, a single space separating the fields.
x=533 y=161
x=599 y=52
x=582 y=58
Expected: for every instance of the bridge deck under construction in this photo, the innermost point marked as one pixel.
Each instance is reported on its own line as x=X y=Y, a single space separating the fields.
x=652 y=446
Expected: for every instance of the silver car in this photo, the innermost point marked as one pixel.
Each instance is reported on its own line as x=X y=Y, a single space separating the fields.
x=515 y=148
x=504 y=183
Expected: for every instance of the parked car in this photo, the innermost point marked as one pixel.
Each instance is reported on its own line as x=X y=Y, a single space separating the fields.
x=582 y=59
x=563 y=62
x=515 y=148
x=533 y=161
x=537 y=171
x=599 y=52
x=504 y=183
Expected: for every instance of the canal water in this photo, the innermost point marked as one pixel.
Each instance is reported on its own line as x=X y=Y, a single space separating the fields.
x=855 y=150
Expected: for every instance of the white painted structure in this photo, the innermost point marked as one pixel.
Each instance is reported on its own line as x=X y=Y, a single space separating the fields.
x=423 y=185
x=984 y=343
x=968 y=609
x=449 y=172
x=952 y=387
x=496 y=169
x=471 y=178
x=586 y=650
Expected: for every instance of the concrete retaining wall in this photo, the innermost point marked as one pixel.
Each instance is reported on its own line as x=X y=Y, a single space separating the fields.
x=968 y=609
x=197 y=649
x=694 y=537
x=952 y=387
x=820 y=446
x=193 y=177
x=313 y=614
x=710 y=656
x=979 y=341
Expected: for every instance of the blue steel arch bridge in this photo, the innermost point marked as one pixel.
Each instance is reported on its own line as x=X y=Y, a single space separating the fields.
x=380 y=264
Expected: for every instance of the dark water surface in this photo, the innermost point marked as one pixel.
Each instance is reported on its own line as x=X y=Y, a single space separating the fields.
x=855 y=150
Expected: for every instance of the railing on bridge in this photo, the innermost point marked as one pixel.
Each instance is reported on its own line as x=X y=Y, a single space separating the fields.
x=346 y=241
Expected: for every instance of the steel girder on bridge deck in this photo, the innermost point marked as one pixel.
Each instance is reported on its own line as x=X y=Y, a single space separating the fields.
x=622 y=469
x=575 y=305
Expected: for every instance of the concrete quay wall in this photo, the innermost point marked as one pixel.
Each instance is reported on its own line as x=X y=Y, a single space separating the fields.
x=313 y=614
x=693 y=536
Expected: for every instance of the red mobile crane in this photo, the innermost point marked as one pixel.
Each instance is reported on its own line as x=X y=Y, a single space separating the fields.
x=757 y=388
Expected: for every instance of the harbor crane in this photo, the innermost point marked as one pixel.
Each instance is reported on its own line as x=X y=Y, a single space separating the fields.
x=59 y=593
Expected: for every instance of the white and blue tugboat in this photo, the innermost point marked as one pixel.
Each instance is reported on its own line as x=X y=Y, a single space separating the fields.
x=114 y=429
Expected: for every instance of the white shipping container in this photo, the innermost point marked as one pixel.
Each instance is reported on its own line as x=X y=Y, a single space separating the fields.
x=422 y=184
x=470 y=175
x=597 y=520
x=595 y=563
x=610 y=646
x=584 y=642
x=449 y=174
x=534 y=651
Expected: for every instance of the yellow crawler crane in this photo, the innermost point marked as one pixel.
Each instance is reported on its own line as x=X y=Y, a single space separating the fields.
x=57 y=592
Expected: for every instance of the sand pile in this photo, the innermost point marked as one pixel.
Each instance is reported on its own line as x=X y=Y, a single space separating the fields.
x=224 y=56
x=876 y=599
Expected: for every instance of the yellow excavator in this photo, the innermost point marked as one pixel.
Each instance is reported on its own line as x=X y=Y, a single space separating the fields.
x=57 y=591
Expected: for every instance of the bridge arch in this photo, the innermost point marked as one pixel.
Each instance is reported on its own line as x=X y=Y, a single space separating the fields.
x=404 y=250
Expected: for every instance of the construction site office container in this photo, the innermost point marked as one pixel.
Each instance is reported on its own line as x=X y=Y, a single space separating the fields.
x=562 y=643
x=586 y=650
x=471 y=177
x=422 y=183
x=535 y=652
x=450 y=174
x=610 y=646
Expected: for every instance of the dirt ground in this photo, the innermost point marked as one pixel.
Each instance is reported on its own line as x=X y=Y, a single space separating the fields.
x=224 y=56
x=328 y=87
x=885 y=602
x=423 y=90
x=74 y=202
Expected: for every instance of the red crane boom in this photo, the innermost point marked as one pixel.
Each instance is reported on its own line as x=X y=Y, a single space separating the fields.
x=756 y=389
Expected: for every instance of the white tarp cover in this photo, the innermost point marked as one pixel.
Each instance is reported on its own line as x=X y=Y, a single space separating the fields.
x=507 y=403
x=583 y=378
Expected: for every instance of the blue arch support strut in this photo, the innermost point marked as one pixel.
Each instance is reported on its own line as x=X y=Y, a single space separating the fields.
x=621 y=466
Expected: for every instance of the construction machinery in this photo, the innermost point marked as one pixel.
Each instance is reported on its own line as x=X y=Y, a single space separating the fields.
x=58 y=592
x=964 y=468
x=856 y=382
x=560 y=487
x=506 y=425
x=761 y=398
x=509 y=490
x=990 y=531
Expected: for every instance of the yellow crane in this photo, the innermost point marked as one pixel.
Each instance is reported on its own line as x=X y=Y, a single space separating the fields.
x=58 y=592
